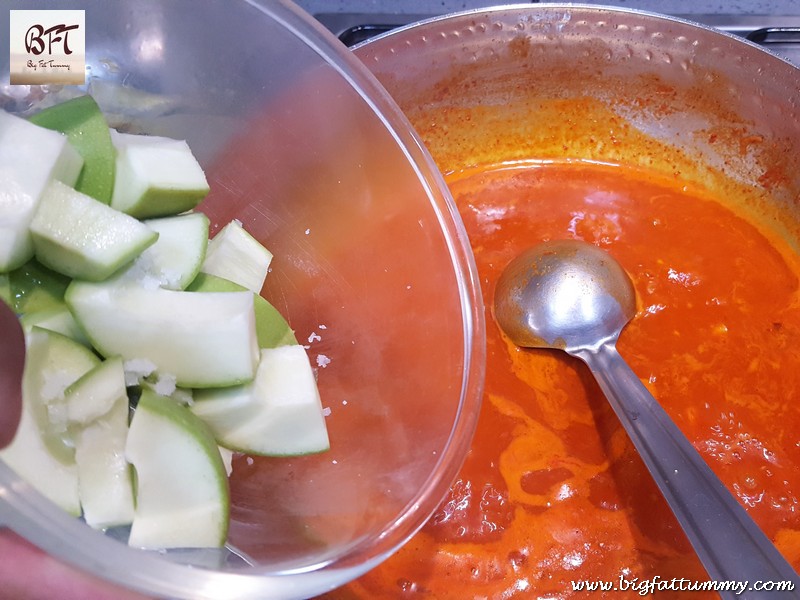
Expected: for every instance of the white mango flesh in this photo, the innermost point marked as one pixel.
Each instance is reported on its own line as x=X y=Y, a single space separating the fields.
x=175 y=259
x=278 y=414
x=237 y=256
x=39 y=451
x=97 y=407
x=155 y=176
x=203 y=340
x=182 y=501
x=30 y=158
x=83 y=238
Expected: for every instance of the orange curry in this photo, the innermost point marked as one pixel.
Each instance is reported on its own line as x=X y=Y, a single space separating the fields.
x=553 y=491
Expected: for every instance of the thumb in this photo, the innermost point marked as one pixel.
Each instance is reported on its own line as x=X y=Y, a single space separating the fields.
x=12 y=360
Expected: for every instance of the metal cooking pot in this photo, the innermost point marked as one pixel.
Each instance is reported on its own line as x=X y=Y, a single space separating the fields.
x=541 y=82
x=720 y=108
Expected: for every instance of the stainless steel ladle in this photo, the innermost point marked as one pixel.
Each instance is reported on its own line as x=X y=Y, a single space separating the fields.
x=574 y=297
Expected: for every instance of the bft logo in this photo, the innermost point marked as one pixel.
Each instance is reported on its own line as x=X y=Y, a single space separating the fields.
x=37 y=35
x=47 y=46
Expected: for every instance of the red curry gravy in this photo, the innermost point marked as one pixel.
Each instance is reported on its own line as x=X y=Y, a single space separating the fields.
x=553 y=491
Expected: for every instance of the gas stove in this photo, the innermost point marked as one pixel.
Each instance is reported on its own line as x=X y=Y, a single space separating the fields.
x=780 y=34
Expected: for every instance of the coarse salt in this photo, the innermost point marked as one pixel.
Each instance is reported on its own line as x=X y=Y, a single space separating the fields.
x=137 y=369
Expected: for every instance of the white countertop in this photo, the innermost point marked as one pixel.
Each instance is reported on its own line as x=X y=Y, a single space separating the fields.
x=433 y=7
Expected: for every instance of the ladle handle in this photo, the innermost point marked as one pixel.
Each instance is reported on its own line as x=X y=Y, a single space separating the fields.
x=729 y=544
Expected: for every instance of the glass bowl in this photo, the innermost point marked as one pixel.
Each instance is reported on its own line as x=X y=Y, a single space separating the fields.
x=372 y=269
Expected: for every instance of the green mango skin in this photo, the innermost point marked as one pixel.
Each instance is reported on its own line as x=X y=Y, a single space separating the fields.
x=33 y=287
x=87 y=130
x=187 y=426
x=272 y=330
x=52 y=356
